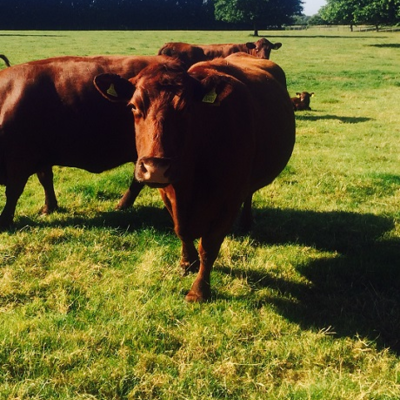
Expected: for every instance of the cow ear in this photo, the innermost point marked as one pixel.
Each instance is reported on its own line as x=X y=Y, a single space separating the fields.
x=312 y=94
x=114 y=88
x=215 y=89
x=298 y=94
x=250 y=45
x=277 y=46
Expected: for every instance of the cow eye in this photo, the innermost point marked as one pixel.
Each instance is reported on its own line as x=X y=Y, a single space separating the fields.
x=135 y=110
x=132 y=107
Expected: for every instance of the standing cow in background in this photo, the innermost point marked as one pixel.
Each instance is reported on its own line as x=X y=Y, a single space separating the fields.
x=208 y=139
x=51 y=114
x=192 y=53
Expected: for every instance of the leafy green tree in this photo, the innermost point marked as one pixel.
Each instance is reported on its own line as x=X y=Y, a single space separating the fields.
x=317 y=20
x=301 y=19
x=350 y=12
x=341 y=12
x=378 y=12
x=257 y=12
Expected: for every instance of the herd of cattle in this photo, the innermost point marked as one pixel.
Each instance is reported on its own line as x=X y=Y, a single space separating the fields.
x=207 y=125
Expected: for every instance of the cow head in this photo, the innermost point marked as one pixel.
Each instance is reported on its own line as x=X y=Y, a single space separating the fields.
x=262 y=48
x=305 y=98
x=160 y=98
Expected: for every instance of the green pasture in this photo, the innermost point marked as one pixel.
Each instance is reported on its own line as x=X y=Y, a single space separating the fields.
x=306 y=306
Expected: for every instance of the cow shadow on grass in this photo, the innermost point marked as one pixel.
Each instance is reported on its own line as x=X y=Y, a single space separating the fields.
x=345 y=120
x=130 y=220
x=354 y=289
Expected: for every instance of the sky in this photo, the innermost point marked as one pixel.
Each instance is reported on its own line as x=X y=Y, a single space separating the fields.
x=311 y=7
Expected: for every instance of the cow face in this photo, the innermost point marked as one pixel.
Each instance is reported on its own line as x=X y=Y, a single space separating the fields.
x=305 y=99
x=159 y=98
x=160 y=106
x=262 y=48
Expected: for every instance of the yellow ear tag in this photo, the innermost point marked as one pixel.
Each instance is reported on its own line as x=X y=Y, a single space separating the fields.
x=111 y=91
x=210 y=97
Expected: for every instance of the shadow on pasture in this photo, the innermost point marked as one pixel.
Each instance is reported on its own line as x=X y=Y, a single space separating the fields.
x=133 y=219
x=387 y=45
x=345 y=120
x=30 y=35
x=353 y=291
x=321 y=37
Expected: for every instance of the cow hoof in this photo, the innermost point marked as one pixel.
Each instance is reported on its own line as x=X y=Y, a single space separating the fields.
x=122 y=206
x=193 y=297
x=199 y=292
x=187 y=268
x=5 y=224
x=47 y=210
x=4 y=228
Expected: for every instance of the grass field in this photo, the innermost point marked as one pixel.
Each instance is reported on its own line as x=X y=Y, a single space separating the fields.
x=307 y=306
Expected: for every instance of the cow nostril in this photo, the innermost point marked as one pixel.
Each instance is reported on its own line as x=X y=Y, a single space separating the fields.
x=142 y=167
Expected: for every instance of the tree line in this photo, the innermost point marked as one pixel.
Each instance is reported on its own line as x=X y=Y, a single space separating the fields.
x=147 y=14
x=189 y=14
x=360 y=12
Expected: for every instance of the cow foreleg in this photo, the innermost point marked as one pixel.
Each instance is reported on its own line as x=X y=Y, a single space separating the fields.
x=130 y=195
x=208 y=249
x=13 y=193
x=45 y=176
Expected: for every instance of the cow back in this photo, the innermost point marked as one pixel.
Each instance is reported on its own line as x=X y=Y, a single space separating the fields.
x=271 y=111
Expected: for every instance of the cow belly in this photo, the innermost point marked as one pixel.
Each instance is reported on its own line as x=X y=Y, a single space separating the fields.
x=96 y=159
x=91 y=146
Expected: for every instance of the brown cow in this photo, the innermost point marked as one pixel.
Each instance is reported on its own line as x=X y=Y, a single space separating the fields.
x=208 y=139
x=191 y=54
x=51 y=114
x=5 y=59
x=302 y=101
x=268 y=66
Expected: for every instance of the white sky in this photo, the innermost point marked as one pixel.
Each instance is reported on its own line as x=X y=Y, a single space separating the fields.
x=311 y=7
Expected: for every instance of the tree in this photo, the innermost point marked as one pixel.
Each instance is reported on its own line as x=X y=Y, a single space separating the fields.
x=258 y=13
x=378 y=12
x=301 y=20
x=317 y=20
x=341 y=12
x=350 y=12
x=106 y=14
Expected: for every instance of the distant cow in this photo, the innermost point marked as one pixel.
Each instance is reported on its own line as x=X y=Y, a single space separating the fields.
x=5 y=59
x=208 y=138
x=51 y=114
x=191 y=54
x=302 y=101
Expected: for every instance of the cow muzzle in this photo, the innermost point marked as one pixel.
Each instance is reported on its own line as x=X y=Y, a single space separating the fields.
x=153 y=171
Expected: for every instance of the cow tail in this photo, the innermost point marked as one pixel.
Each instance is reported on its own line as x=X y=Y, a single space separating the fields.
x=2 y=56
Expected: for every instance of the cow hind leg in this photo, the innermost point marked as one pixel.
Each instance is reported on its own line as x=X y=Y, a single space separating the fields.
x=130 y=195
x=13 y=193
x=246 y=217
x=190 y=258
x=45 y=176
